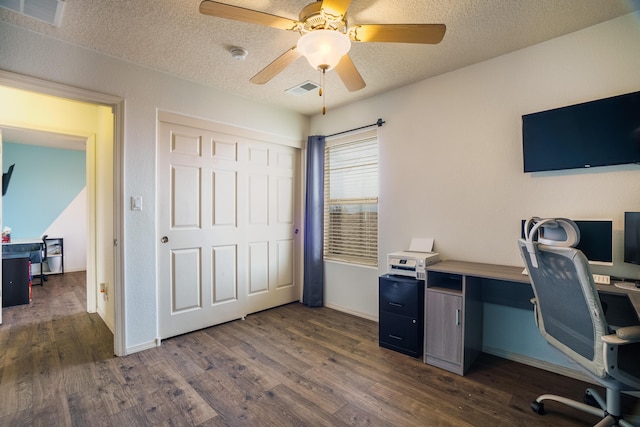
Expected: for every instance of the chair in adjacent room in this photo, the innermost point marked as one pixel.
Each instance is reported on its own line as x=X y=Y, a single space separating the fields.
x=570 y=317
x=40 y=257
x=45 y=252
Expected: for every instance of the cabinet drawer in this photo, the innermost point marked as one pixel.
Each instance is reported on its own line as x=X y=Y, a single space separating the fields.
x=401 y=296
x=401 y=333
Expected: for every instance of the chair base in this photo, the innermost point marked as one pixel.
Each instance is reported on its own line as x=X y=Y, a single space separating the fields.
x=612 y=405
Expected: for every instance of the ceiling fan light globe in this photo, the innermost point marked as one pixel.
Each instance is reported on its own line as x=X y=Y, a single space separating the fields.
x=324 y=48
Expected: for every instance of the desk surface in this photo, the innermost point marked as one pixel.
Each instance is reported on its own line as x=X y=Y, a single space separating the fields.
x=31 y=241
x=476 y=269
x=22 y=245
x=14 y=242
x=513 y=274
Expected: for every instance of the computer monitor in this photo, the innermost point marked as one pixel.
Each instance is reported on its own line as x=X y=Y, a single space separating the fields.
x=596 y=240
x=632 y=237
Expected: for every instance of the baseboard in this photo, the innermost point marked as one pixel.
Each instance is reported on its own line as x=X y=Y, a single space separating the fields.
x=350 y=311
x=144 y=346
x=541 y=364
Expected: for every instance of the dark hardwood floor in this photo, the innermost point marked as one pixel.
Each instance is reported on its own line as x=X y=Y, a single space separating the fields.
x=291 y=365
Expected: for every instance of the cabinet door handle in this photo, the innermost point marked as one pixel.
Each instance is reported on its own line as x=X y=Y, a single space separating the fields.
x=395 y=337
x=395 y=304
x=458 y=317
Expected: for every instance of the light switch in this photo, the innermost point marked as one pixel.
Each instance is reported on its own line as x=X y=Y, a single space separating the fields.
x=136 y=203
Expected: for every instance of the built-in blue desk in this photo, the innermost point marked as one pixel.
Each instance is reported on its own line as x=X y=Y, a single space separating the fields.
x=465 y=287
x=506 y=285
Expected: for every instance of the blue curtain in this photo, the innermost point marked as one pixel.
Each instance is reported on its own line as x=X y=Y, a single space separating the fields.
x=313 y=286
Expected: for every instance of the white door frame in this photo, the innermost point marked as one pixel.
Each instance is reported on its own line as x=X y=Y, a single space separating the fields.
x=1 y=169
x=19 y=81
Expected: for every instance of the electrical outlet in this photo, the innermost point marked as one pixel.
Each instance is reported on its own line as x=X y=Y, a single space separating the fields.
x=104 y=291
x=602 y=279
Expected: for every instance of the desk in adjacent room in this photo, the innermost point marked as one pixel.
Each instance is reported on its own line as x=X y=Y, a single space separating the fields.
x=23 y=245
x=455 y=292
x=34 y=247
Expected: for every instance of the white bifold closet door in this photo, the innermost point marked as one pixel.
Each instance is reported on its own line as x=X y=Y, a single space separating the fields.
x=225 y=215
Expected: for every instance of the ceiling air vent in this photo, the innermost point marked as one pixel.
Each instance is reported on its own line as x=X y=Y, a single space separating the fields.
x=302 y=88
x=49 y=11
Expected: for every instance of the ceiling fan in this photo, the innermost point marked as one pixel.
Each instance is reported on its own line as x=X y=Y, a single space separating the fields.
x=326 y=36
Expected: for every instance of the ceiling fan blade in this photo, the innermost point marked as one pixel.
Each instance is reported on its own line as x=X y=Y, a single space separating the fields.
x=336 y=7
x=221 y=10
x=398 y=33
x=349 y=74
x=279 y=64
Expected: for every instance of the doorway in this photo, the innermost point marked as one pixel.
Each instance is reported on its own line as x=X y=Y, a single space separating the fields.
x=43 y=106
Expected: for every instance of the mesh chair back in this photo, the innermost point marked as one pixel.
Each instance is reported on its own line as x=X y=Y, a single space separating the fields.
x=568 y=309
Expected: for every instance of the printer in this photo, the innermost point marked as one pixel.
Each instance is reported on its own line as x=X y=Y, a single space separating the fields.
x=409 y=263
x=413 y=261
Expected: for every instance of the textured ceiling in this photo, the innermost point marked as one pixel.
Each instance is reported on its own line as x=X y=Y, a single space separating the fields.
x=173 y=37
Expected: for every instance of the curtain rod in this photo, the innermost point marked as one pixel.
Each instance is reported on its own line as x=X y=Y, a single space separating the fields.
x=379 y=123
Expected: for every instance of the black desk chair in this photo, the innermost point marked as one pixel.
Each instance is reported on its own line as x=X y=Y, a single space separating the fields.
x=570 y=317
x=43 y=277
x=39 y=257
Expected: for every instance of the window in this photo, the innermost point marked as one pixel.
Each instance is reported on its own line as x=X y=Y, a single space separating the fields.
x=351 y=199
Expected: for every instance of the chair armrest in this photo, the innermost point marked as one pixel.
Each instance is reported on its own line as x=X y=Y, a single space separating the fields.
x=625 y=335
x=629 y=333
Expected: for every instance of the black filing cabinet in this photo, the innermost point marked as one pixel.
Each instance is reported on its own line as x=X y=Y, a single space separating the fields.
x=401 y=314
x=15 y=279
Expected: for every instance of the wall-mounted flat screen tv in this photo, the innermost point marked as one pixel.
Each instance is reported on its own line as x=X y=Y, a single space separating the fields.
x=597 y=133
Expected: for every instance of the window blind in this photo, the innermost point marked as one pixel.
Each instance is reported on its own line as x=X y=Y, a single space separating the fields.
x=351 y=200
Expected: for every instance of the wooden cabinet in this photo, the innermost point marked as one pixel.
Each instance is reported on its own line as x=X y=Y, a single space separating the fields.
x=453 y=325
x=401 y=314
x=444 y=317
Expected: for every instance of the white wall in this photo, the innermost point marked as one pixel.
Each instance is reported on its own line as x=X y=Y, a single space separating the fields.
x=451 y=157
x=73 y=222
x=145 y=92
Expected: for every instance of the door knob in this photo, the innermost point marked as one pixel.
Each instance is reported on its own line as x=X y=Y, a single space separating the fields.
x=164 y=239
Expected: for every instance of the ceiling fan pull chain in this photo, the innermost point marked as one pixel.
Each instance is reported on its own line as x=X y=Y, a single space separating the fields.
x=321 y=92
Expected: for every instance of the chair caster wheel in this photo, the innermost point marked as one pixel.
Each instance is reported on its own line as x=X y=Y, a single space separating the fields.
x=537 y=407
